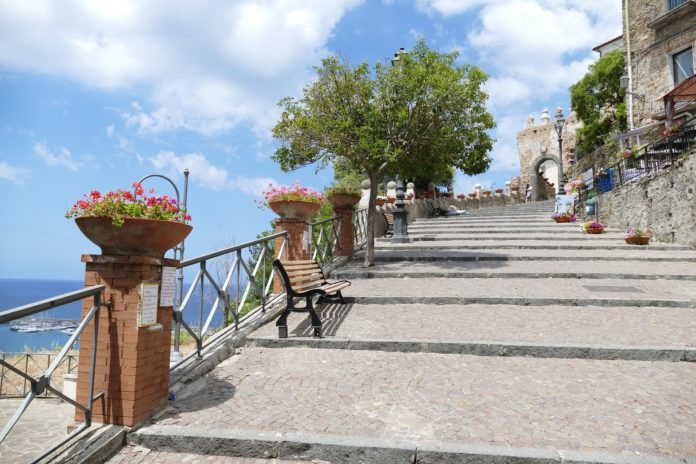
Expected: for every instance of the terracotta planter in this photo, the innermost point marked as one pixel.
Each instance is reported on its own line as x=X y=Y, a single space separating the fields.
x=343 y=201
x=637 y=240
x=561 y=220
x=595 y=231
x=461 y=197
x=380 y=202
x=498 y=190
x=294 y=210
x=137 y=236
x=472 y=195
x=391 y=200
x=515 y=189
x=486 y=193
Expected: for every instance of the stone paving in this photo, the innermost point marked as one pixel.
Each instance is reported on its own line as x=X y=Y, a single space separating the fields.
x=44 y=423
x=139 y=454
x=380 y=387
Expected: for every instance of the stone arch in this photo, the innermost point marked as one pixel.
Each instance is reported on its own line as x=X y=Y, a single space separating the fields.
x=535 y=180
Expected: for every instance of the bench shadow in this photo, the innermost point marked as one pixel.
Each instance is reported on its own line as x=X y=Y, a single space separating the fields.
x=332 y=317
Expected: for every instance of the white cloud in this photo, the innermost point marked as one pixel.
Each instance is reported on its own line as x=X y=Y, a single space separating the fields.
x=208 y=66
x=202 y=171
x=14 y=174
x=59 y=158
x=447 y=7
x=253 y=185
x=110 y=130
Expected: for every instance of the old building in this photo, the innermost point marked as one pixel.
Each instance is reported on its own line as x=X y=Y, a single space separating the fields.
x=659 y=38
x=537 y=148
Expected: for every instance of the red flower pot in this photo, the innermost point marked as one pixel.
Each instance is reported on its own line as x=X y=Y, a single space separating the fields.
x=294 y=210
x=137 y=236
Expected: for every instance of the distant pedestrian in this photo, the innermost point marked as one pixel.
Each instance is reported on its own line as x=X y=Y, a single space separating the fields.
x=529 y=193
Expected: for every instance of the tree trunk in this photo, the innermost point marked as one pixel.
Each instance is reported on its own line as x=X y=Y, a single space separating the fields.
x=370 y=253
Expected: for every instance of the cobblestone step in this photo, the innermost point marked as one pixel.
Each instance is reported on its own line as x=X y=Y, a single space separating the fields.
x=610 y=269
x=500 y=290
x=353 y=406
x=636 y=254
x=590 y=332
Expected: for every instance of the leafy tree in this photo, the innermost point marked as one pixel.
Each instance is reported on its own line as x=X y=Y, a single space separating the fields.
x=419 y=117
x=598 y=100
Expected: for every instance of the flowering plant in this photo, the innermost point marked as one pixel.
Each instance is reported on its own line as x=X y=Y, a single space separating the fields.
x=120 y=204
x=600 y=173
x=343 y=189
x=592 y=226
x=295 y=192
x=671 y=131
x=461 y=196
x=566 y=217
x=636 y=232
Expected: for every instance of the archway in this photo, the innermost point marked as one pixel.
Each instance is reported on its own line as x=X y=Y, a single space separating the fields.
x=536 y=180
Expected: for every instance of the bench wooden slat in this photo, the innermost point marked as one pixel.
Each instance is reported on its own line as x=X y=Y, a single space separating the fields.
x=304 y=272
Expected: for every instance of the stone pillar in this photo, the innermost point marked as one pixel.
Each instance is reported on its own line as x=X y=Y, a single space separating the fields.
x=364 y=194
x=295 y=249
x=477 y=190
x=345 y=232
x=132 y=362
x=410 y=190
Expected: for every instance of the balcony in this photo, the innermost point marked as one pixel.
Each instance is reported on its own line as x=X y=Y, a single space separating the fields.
x=677 y=9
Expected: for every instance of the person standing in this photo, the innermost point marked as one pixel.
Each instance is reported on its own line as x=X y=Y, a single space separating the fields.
x=529 y=193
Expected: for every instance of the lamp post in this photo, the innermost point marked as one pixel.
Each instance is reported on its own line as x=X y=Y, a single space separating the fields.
x=560 y=122
x=400 y=232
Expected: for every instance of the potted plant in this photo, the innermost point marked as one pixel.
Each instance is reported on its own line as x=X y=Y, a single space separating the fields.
x=343 y=196
x=131 y=223
x=593 y=227
x=381 y=200
x=636 y=236
x=673 y=129
x=563 y=217
x=293 y=202
x=461 y=196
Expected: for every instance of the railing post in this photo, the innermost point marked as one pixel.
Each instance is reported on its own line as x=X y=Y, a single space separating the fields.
x=295 y=246
x=132 y=355
x=346 y=240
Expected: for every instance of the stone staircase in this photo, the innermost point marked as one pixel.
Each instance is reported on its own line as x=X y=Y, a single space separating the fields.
x=495 y=337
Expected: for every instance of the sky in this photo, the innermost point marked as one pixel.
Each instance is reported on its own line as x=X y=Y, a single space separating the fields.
x=96 y=94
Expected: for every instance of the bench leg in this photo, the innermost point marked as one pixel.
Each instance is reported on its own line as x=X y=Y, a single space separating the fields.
x=316 y=322
x=282 y=322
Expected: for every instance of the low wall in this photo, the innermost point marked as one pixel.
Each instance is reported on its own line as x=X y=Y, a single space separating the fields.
x=663 y=201
x=418 y=209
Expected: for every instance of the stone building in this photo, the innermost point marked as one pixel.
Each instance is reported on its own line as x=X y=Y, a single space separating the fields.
x=660 y=39
x=537 y=147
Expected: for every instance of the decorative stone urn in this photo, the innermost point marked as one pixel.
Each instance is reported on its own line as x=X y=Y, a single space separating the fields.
x=294 y=210
x=136 y=237
x=343 y=200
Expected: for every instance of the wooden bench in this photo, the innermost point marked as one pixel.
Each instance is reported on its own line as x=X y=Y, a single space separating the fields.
x=389 y=217
x=305 y=279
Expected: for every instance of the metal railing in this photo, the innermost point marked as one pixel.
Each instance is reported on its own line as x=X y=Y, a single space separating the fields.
x=324 y=240
x=13 y=385
x=359 y=228
x=672 y=4
x=229 y=264
x=43 y=383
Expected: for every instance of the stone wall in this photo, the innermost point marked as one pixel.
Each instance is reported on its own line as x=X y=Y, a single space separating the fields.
x=664 y=201
x=652 y=46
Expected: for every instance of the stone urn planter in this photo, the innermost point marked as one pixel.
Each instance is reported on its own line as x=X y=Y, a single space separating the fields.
x=343 y=201
x=498 y=190
x=294 y=210
x=391 y=200
x=472 y=195
x=137 y=236
x=637 y=240
x=487 y=193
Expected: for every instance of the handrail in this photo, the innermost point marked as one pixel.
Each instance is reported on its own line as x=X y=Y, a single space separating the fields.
x=254 y=286
x=42 y=383
x=360 y=228
x=323 y=245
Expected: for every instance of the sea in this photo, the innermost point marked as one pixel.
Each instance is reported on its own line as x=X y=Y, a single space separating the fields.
x=19 y=292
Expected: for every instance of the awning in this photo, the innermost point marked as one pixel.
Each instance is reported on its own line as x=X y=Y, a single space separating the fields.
x=685 y=91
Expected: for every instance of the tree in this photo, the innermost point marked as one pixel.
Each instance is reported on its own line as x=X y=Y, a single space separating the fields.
x=598 y=100
x=419 y=117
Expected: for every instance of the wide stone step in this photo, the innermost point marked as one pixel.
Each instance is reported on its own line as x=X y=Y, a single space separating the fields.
x=551 y=244
x=354 y=406
x=591 y=332
x=492 y=225
x=449 y=236
x=575 y=292
x=483 y=254
x=533 y=269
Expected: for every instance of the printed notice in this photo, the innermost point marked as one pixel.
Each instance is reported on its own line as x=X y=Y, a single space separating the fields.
x=147 y=312
x=168 y=284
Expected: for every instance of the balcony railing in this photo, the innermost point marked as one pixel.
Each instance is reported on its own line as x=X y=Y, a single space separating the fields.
x=43 y=383
x=672 y=4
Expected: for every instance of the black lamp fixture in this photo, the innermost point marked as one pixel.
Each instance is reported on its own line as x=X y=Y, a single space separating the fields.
x=559 y=123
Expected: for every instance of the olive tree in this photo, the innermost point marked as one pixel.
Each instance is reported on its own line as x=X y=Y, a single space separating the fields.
x=424 y=115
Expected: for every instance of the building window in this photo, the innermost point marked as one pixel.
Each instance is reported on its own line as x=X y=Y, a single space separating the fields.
x=683 y=65
x=672 y=4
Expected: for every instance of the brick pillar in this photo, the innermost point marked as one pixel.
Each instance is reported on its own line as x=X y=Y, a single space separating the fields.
x=294 y=249
x=132 y=364
x=345 y=232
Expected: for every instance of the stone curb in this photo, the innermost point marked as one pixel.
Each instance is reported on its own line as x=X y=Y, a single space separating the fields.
x=512 y=275
x=365 y=450
x=437 y=300
x=623 y=353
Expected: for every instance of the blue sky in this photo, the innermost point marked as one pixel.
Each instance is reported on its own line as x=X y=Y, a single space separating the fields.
x=96 y=94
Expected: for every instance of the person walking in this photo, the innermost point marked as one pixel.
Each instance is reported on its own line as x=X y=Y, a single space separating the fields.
x=529 y=193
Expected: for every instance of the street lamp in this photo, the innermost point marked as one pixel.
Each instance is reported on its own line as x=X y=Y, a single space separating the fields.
x=560 y=122
x=400 y=228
